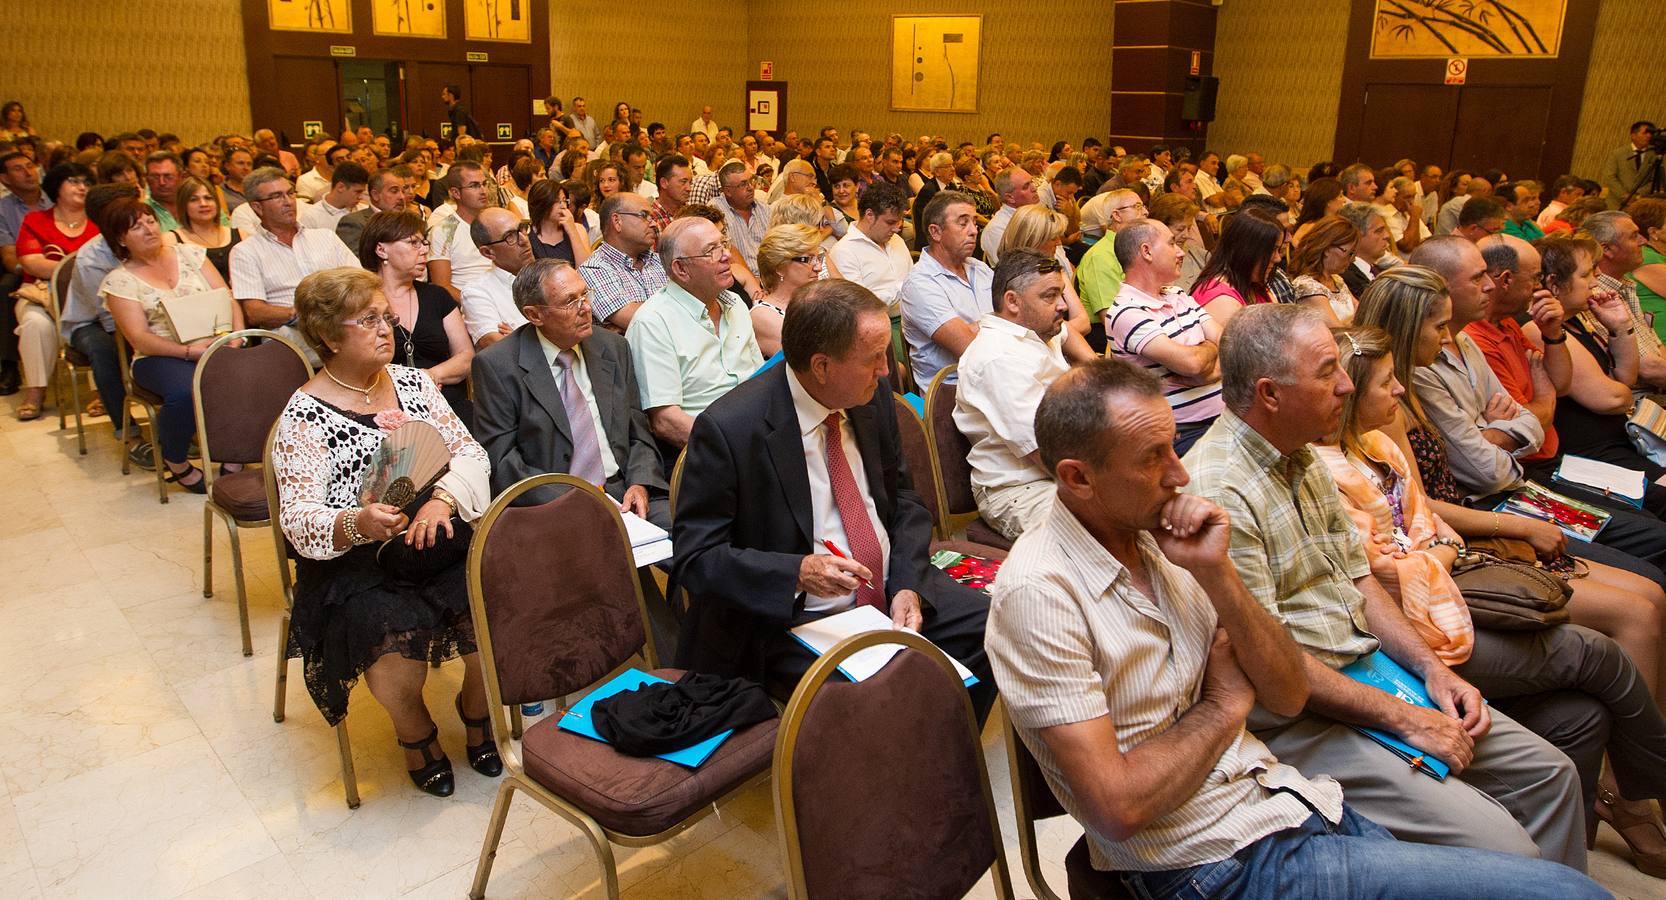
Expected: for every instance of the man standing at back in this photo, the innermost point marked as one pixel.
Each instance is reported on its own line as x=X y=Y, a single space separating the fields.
x=462 y=123
x=1629 y=168
x=705 y=124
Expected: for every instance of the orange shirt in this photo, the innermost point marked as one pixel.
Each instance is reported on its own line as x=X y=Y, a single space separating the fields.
x=1505 y=346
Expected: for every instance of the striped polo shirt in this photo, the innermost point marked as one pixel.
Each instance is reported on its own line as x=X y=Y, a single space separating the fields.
x=1136 y=318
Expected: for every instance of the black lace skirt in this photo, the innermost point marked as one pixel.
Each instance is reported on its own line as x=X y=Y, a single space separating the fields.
x=349 y=612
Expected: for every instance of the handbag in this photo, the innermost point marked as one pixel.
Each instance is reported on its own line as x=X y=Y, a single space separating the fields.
x=33 y=292
x=204 y=314
x=1510 y=596
x=1646 y=427
x=406 y=563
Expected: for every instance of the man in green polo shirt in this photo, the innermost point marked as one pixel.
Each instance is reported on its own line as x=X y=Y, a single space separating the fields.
x=1099 y=277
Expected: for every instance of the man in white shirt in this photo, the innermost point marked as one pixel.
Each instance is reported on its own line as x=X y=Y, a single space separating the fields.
x=1018 y=352
x=704 y=125
x=346 y=194
x=267 y=265
x=315 y=181
x=1567 y=189
x=948 y=290
x=489 y=309
x=1016 y=188
x=453 y=260
x=872 y=252
x=581 y=121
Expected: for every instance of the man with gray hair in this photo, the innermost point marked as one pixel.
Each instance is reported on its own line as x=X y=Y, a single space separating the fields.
x=559 y=395
x=1402 y=211
x=747 y=219
x=1622 y=253
x=1281 y=183
x=623 y=271
x=1371 y=247
x=1359 y=183
x=490 y=311
x=1297 y=552
x=691 y=341
x=948 y=290
x=1016 y=188
x=268 y=264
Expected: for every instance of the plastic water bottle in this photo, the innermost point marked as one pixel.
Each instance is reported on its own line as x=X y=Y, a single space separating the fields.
x=532 y=709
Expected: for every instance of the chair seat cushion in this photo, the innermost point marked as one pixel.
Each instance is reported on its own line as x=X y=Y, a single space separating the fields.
x=636 y=796
x=76 y=358
x=144 y=395
x=243 y=494
x=1084 y=882
x=981 y=532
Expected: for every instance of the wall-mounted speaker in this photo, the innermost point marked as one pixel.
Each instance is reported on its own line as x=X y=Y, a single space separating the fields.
x=1198 y=103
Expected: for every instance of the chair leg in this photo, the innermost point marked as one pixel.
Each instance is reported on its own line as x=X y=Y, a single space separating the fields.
x=75 y=400
x=208 y=550
x=242 y=593
x=56 y=382
x=283 y=668
x=121 y=435
x=494 y=836
x=156 y=456
x=349 y=780
x=515 y=724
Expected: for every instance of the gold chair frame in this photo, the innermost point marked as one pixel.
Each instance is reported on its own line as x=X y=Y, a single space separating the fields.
x=786 y=743
x=950 y=525
x=62 y=368
x=1029 y=846
x=124 y=356
x=515 y=778
x=211 y=509
x=929 y=481
x=349 y=779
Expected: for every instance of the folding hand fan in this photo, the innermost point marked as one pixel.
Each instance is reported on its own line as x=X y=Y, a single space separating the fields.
x=411 y=458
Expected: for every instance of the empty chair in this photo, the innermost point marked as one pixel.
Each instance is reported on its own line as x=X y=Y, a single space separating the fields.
x=950 y=448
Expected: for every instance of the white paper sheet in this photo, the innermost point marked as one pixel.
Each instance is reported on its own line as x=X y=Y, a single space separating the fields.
x=822 y=634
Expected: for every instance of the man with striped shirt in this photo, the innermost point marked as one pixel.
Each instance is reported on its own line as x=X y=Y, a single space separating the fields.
x=1165 y=332
x=1129 y=654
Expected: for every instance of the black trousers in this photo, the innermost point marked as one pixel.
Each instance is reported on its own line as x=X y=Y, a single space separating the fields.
x=8 y=318
x=954 y=620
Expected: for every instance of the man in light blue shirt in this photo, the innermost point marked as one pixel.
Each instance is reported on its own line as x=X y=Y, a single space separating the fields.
x=948 y=290
x=692 y=341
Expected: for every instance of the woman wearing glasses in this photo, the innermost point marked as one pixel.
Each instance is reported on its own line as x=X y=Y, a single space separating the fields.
x=807 y=209
x=45 y=237
x=789 y=257
x=353 y=614
x=430 y=334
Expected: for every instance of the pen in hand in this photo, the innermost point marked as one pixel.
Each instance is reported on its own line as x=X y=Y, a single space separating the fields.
x=834 y=549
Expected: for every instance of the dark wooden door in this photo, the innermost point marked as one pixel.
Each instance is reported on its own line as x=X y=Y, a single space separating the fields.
x=1409 y=121
x=306 y=90
x=501 y=95
x=1503 y=127
x=423 y=83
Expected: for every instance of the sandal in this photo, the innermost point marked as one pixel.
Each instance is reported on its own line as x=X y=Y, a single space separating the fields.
x=28 y=411
x=94 y=409
x=1644 y=835
x=435 y=777
x=200 y=486
x=483 y=756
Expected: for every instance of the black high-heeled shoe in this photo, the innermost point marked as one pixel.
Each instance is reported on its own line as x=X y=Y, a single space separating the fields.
x=434 y=778
x=483 y=756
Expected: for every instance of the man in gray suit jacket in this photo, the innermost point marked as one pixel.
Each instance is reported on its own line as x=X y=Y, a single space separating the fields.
x=1630 y=167
x=387 y=192
x=529 y=386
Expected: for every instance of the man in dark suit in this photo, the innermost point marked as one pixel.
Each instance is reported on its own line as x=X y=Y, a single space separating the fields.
x=528 y=386
x=766 y=489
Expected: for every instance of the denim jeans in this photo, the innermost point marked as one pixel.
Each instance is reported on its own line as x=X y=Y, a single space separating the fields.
x=100 y=348
x=177 y=420
x=1357 y=858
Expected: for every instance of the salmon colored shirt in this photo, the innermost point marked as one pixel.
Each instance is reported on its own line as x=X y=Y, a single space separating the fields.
x=1505 y=346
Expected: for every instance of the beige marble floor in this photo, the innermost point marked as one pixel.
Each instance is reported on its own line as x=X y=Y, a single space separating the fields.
x=139 y=758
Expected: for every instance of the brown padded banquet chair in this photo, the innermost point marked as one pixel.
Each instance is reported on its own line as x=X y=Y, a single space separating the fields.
x=543 y=637
x=71 y=362
x=239 y=394
x=880 y=785
x=152 y=403
x=960 y=508
x=922 y=466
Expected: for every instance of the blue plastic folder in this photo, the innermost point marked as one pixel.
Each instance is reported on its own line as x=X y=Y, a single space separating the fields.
x=1384 y=674
x=579 y=721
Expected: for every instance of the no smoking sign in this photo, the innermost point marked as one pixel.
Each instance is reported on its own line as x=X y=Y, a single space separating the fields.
x=1457 y=70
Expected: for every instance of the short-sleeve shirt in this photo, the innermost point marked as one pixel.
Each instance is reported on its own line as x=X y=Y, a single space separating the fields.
x=931 y=298
x=12 y=211
x=40 y=234
x=264 y=268
x=1293 y=544
x=488 y=301
x=449 y=241
x=879 y=269
x=680 y=360
x=124 y=284
x=1071 y=639
x=1136 y=319
x=1099 y=277
x=745 y=234
x=615 y=281
x=1505 y=346
x=1003 y=374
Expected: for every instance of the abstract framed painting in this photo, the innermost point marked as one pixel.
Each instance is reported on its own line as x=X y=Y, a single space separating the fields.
x=408 y=18
x=1440 y=29
x=934 y=63
x=334 y=16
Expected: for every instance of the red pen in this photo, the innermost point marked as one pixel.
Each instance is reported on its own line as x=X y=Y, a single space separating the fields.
x=833 y=549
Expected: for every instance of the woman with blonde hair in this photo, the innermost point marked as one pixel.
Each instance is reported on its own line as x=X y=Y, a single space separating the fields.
x=1316 y=265
x=1035 y=227
x=203 y=221
x=808 y=209
x=789 y=257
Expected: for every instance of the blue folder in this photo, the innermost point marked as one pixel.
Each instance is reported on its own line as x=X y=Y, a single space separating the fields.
x=1384 y=674
x=579 y=721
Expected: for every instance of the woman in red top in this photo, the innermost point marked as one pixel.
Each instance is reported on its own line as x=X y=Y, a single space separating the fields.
x=45 y=237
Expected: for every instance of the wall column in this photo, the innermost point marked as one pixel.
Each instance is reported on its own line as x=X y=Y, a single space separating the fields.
x=1151 y=56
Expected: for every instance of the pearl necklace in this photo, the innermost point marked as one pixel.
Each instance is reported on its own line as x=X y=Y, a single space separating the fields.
x=362 y=390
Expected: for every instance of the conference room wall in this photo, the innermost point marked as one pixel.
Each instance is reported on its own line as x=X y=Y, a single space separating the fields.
x=1044 y=73
x=116 y=65
x=1626 y=80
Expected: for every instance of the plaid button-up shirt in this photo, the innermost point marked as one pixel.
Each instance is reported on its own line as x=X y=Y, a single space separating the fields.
x=614 y=280
x=1292 y=542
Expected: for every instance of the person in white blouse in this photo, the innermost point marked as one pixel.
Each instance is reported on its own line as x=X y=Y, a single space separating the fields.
x=362 y=609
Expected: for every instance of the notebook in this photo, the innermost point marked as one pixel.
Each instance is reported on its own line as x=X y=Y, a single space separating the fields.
x=822 y=634
x=578 y=721
x=1605 y=478
x=649 y=542
x=1384 y=674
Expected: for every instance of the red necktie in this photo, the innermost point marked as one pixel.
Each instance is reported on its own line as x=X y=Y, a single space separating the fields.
x=853 y=512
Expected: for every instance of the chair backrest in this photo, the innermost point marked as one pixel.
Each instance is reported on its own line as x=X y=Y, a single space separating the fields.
x=280 y=540
x=951 y=447
x=554 y=593
x=57 y=288
x=676 y=481
x=880 y=785
x=902 y=375
x=916 y=451
x=239 y=392
x=1032 y=801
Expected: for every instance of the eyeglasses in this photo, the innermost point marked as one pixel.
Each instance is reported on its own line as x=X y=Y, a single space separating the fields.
x=370 y=321
x=644 y=215
x=286 y=195
x=710 y=254
x=573 y=305
x=1129 y=206
x=517 y=236
x=415 y=242
x=1048 y=266
x=817 y=261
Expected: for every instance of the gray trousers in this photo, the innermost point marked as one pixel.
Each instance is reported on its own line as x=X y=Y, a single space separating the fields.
x=1520 y=795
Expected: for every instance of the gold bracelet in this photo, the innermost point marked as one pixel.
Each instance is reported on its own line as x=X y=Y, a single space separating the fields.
x=351 y=526
x=1495 y=521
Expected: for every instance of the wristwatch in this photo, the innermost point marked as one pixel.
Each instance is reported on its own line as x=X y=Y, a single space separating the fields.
x=444 y=496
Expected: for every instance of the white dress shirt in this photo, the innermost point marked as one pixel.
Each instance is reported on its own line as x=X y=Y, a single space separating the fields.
x=488 y=300
x=824 y=513
x=879 y=269
x=312 y=185
x=990 y=240
x=610 y=466
x=265 y=268
x=323 y=215
x=1003 y=374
